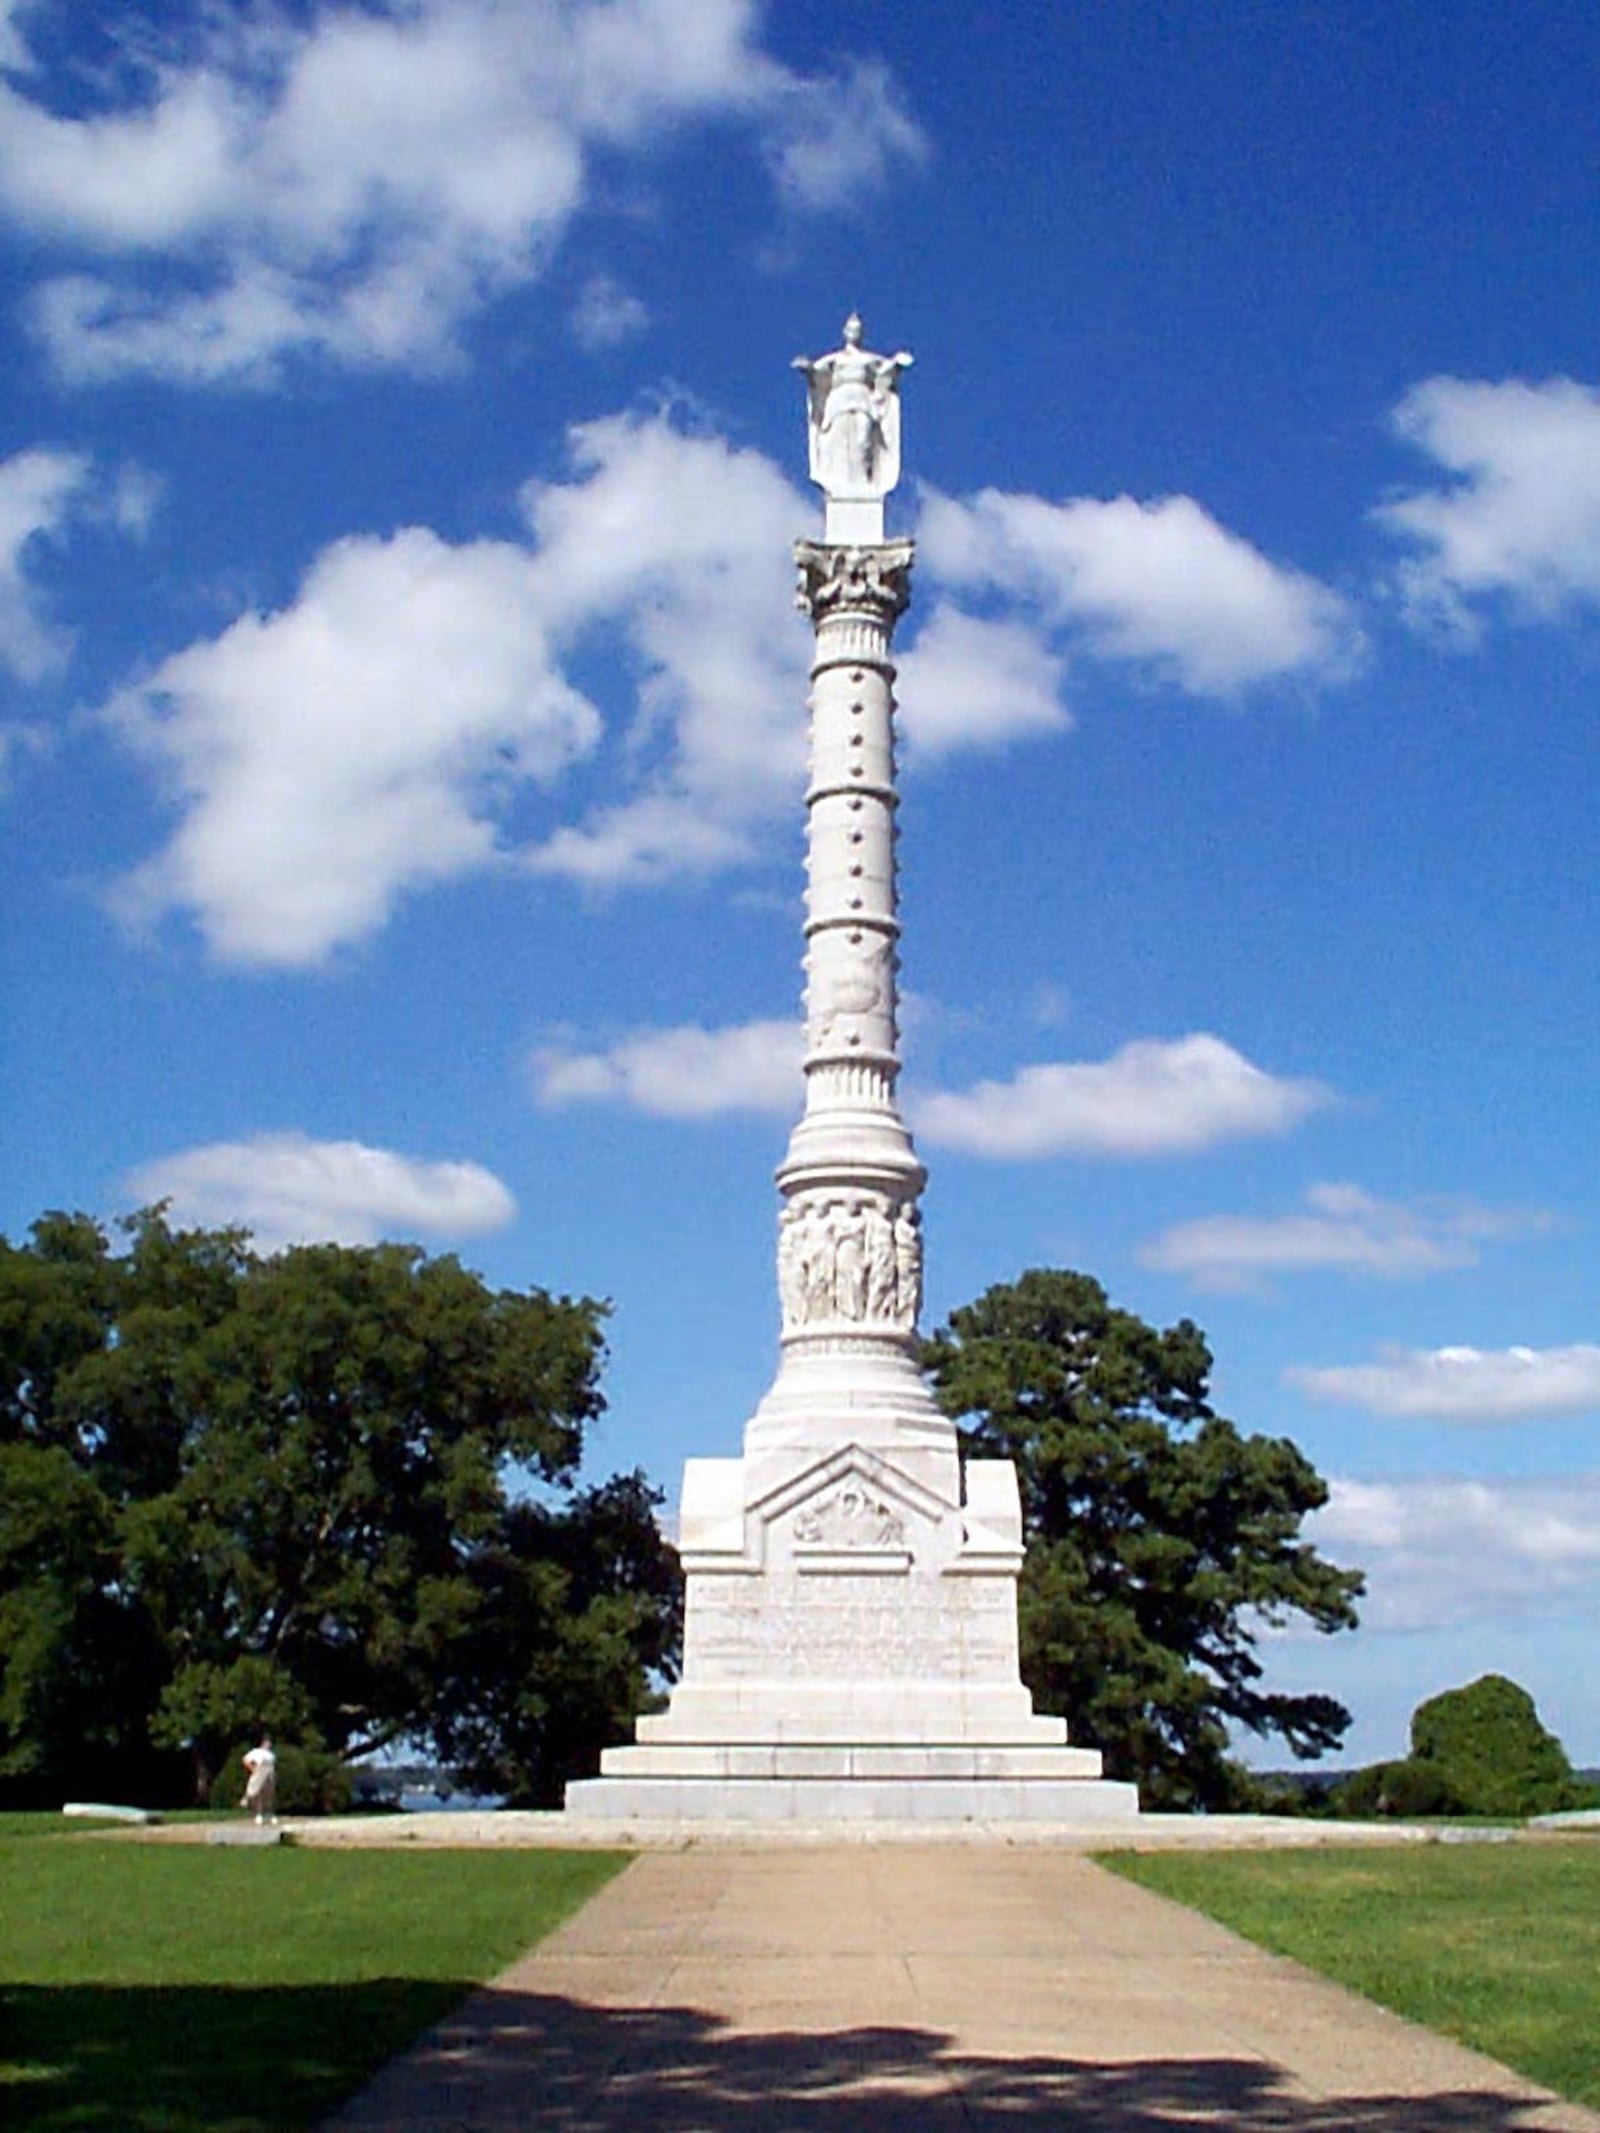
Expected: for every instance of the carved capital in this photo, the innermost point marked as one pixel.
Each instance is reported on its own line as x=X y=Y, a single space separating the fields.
x=874 y=581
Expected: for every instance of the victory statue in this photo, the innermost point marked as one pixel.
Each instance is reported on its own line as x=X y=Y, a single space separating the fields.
x=854 y=421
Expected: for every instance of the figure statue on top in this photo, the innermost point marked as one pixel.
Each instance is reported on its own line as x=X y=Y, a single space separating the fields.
x=854 y=415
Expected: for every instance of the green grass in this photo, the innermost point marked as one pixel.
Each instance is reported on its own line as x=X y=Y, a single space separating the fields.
x=1495 y=1945
x=196 y=1989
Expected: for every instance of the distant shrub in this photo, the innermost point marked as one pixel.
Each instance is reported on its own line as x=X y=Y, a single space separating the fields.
x=1478 y=1750
x=311 y=1781
x=1487 y=1742
x=1359 y=1795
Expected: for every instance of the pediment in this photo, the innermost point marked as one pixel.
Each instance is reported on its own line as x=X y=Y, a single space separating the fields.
x=850 y=1497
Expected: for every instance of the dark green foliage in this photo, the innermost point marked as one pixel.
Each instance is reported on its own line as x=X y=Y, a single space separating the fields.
x=1405 y=1790
x=1159 y=1537
x=1478 y=1750
x=310 y=1781
x=239 y=1492
x=1487 y=1740
x=580 y=1610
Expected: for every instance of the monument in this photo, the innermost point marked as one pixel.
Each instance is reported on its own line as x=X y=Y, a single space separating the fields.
x=850 y=1639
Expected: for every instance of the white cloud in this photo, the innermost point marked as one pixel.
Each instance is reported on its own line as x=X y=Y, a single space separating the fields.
x=1441 y=1553
x=836 y=143
x=686 y=1072
x=372 y=735
x=289 y=1189
x=360 y=741
x=1465 y=1384
x=605 y=314
x=1342 y=1228
x=1518 y=515
x=1160 y=584
x=1151 y=1098
x=250 y=202
x=686 y=542
x=970 y=682
x=39 y=492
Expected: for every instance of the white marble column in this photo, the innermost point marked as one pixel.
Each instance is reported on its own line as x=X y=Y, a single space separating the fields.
x=850 y=1233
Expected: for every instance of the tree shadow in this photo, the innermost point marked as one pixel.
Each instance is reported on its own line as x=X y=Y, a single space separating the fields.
x=201 y=2059
x=531 y=2060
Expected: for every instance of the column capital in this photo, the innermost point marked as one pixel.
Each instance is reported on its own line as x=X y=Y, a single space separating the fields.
x=872 y=580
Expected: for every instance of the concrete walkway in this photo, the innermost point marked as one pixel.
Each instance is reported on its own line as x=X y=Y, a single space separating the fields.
x=867 y=1990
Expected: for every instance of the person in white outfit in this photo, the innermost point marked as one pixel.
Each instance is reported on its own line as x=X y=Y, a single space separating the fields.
x=261 y=1781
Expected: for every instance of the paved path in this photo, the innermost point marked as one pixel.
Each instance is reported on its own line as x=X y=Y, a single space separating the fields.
x=880 y=1991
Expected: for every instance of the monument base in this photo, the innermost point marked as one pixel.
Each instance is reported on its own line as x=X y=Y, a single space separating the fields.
x=850 y=1652
x=916 y=1800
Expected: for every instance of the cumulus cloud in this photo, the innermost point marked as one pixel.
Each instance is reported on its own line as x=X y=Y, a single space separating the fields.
x=40 y=490
x=687 y=1072
x=355 y=743
x=685 y=542
x=1342 y=1228
x=1465 y=1384
x=1517 y=514
x=289 y=1189
x=1444 y=1552
x=373 y=734
x=240 y=200
x=970 y=681
x=1151 y=1098
x=1160 y=584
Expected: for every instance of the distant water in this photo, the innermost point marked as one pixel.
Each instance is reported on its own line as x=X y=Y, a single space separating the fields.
x=416 y=1802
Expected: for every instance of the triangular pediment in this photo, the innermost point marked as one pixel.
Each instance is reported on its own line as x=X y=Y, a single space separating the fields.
x=836 y=1472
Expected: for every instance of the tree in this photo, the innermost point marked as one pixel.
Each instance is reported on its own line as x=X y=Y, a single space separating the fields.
x=582 y=1613
x=1159 y=1539
x=290 y=1491
x=1478 y=1750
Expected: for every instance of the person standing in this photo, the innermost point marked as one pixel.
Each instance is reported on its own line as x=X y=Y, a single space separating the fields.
x=261 y=1781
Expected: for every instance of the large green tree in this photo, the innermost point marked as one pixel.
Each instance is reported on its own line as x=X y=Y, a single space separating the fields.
x=331 y=1491
x=1159 y=1538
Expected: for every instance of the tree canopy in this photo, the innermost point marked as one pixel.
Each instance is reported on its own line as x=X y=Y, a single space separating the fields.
x=1160 y=1539
x=1477 y=1750
x=332 y=1492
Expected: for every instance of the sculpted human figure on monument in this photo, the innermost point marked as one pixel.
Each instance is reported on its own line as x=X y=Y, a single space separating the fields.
x=854 y=412
x=908 y=1264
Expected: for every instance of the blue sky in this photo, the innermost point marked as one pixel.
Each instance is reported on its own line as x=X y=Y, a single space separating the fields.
x=402 y=704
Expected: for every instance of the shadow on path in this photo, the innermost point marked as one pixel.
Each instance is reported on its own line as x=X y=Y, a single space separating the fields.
x=531 y=2060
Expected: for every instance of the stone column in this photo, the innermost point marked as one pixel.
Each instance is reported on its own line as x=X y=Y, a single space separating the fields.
x=850 y=1233
x=851 y=1179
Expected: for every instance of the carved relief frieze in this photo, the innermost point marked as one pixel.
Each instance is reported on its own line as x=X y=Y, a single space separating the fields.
x=856 y=1259
x=852 y=1517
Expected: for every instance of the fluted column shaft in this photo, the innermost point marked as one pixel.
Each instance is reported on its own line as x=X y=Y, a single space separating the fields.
x=850 y=1248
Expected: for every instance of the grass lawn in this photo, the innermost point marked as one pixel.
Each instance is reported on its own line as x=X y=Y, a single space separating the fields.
x=1496 y=1945
x=195 y=1989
